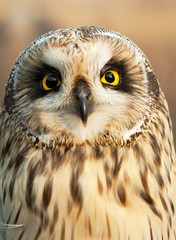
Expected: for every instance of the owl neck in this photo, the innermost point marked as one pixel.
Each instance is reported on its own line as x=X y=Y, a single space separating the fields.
x=51 y=141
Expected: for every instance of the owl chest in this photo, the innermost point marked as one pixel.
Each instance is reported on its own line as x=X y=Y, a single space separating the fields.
x=76 y=195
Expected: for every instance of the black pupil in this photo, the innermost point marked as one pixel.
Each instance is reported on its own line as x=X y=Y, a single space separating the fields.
x=51 y=81
x=109 y=76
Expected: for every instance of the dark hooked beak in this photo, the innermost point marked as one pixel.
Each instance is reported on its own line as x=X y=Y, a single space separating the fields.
x=82 y=94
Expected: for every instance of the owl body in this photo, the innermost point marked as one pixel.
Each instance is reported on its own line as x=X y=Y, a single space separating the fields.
x=86 y=142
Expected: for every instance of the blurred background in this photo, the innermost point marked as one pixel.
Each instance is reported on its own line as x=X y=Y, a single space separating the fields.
x=151 y=24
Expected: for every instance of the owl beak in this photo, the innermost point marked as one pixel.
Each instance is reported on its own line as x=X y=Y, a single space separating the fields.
x=82 y=94
x=83 y=109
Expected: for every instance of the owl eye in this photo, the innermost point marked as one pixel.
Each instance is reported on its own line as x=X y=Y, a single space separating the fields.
x=111 y=77
x=50 y=81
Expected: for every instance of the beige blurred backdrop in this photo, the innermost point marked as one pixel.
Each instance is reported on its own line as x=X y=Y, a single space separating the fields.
x=151 y=24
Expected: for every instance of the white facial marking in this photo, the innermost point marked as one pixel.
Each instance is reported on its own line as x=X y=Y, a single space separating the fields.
x=55 y=57
x=99 y=54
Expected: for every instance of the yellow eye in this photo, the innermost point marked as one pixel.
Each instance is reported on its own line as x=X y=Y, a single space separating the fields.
x=50 y=81
x=111 y=77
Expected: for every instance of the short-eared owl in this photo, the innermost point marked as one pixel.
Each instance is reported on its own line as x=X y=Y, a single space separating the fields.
x=86 y=145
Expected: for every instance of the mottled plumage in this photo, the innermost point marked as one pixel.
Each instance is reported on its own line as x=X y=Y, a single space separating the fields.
x=81 y=158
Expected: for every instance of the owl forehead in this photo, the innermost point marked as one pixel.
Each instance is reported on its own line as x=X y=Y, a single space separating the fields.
x=78 y=54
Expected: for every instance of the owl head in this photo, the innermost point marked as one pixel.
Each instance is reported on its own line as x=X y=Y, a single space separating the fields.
x=81 y=84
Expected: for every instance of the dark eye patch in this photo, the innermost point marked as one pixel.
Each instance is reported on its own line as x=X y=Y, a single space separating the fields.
x=30 y=80
x=126 y=79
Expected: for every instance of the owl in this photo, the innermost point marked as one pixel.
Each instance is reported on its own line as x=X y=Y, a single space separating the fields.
x=86 y=144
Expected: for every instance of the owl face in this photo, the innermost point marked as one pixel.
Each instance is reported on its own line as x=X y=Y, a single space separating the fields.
x=82 y=83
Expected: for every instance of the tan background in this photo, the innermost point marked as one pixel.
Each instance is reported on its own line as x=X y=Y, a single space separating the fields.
x=151 y=24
